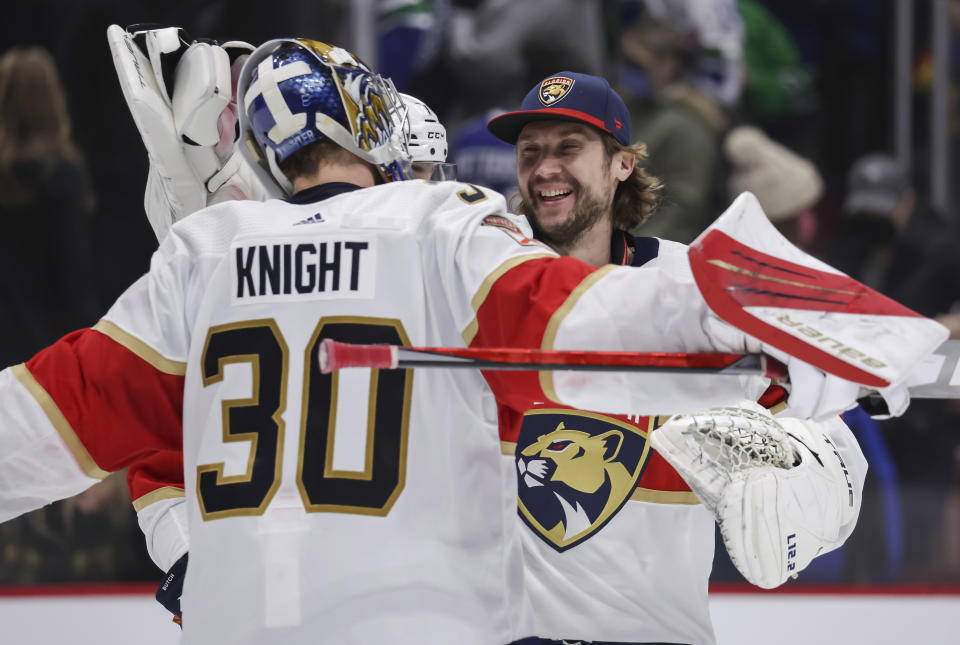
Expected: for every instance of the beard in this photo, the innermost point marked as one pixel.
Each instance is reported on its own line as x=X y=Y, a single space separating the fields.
x=587 y=211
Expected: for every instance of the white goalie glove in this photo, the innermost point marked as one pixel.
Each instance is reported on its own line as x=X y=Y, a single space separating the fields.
x=182 y=97
x=779 y=488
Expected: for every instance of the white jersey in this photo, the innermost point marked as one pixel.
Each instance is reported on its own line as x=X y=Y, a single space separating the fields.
x=627 y=560
x=364 y=506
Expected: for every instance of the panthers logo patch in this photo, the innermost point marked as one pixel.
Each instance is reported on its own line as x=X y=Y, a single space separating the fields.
x=555 y=88
x=512 y=230
x=575 y=471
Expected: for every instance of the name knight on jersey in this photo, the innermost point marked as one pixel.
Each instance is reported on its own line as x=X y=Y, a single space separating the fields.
x=300 y=268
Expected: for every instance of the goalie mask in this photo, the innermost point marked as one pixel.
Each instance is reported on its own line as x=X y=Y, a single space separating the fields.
x=293 y=92
x=427 y=142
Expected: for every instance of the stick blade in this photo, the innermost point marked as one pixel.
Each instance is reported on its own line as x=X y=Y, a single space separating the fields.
x=754 y=279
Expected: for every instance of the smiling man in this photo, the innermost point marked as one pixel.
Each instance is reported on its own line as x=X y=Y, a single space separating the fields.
x=579 y=178
x=617 y=548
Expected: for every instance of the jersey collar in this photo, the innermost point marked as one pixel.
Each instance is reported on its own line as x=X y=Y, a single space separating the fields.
x=321 y=192
x=627 y=250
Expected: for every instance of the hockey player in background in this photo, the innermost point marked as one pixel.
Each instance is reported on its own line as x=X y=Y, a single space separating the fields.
x=310 y=518
x=620 y=548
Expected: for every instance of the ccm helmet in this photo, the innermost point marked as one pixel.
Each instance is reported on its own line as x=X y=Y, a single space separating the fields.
x=293 y=92
x=427 y=142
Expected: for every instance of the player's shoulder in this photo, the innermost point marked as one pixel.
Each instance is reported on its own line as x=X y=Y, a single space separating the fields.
x=211 y=231
x=416 y=203
x=668 y=254
x=431 y=192
x=670 y=249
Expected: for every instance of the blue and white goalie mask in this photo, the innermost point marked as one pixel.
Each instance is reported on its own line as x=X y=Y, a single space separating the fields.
x=293 y=92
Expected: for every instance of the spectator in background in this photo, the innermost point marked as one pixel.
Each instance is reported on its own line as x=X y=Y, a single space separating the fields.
x=495 y=49
x=879 y=204
x=674 y=114
x=409 y=34
x=787 y=185
x=47 y=289
x=45 y=210
x=717 y=30
x=778 y=92
x=893 y=243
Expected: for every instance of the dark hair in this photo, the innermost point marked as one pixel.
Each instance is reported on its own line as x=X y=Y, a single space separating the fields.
x=306 y=161
x=636 y=197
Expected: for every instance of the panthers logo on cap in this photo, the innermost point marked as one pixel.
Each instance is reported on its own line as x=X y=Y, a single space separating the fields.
x=555 y=88
x=576 y=470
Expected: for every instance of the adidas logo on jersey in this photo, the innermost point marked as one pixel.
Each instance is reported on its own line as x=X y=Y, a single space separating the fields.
x=316 y=218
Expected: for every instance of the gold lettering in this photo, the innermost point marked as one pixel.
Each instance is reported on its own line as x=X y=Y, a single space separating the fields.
x=836 y=343
x=786 y=320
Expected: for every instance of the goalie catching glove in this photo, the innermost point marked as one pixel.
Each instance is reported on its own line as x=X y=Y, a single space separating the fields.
x=182 y=96
x=779 y=489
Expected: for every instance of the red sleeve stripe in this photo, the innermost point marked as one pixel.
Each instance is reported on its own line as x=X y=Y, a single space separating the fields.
x=167 y=492
x=59 y=422
x=140 y=348
x=124 y=411
x=664 y=496
x=481 y=295
x=550 y=333
x=514 y=312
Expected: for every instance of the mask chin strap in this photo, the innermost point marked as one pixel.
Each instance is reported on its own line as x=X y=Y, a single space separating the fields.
x=278 y=175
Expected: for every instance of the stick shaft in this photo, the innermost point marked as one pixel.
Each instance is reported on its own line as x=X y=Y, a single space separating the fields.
x=335 y=355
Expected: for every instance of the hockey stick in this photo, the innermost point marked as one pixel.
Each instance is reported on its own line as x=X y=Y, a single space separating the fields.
x=334 y=355
x=938 y=377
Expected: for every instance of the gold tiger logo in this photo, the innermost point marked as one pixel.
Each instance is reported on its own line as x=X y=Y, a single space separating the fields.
x=582 y=472
x=554 y=89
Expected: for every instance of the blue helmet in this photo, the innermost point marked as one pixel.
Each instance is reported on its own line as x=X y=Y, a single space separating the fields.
x=293 y=92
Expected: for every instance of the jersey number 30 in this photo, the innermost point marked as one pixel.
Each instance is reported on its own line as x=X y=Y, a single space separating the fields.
x=258 y=420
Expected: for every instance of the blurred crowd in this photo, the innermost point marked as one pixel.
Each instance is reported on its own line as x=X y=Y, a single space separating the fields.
x=791 y=101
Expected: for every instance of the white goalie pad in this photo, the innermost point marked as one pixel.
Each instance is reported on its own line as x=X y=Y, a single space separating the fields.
x=159 y=44
x=171 y=174
x=201 y=94
x=181 y=98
